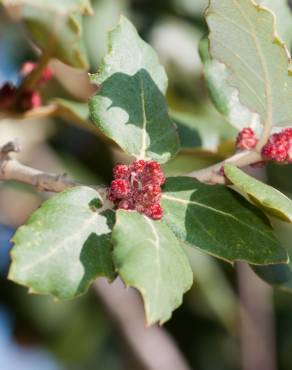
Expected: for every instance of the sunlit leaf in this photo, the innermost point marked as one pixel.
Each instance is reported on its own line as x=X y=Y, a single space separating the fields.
x=243 y=36
x=148 y=257
x=266 y=197
x=64 y=246
x=130 y=106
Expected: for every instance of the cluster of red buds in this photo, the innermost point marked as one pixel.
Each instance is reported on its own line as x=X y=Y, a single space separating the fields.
x=278 y=148
x=246 y=139
x=138 y=187
x=27 y=99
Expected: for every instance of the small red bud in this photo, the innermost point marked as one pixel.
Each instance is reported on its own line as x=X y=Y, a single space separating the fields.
x=119 y=188
x=155 y=212
x=138 y=166
x=138 y=187
x=121 y=171
x=126 y=205
x=246 y=139
x=279 y=147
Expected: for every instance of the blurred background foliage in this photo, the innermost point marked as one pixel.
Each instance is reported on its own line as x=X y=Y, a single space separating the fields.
x=37 y=333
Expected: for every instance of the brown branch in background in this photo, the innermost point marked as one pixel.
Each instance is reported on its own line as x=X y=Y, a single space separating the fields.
x=153 y=347
x=75 y=81
x=11 y=169
x=257 y=333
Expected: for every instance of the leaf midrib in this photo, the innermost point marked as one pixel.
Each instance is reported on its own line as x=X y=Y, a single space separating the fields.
x=156 y=244
x=183 y=201
x=63 y=245
x=268 y=90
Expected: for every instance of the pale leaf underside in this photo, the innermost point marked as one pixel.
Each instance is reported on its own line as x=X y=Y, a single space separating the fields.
x=243 y=37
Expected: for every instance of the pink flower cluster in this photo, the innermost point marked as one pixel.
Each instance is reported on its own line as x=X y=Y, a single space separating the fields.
x=28 y=99
x=246 y=139
x=138 y=187
x=279 y=147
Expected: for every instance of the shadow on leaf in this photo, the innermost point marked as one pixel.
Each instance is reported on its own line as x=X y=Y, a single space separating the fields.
x=133 y=111
x=96 y=256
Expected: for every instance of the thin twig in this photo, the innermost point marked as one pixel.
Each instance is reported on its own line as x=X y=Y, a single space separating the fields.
x=213 y=174
x=12 y=170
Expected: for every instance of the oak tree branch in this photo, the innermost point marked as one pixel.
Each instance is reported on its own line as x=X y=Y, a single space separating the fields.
x=11 y=169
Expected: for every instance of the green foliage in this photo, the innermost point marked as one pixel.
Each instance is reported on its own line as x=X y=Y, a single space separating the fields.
x=130 y=106
x=223 y=95
x=64 y=245
x=243 y=37
x=72 y=110
x=220 y=222
x=148 y=257
x=266 y=197
x=60 y=35
x=205 y=129
x=283 y=18
x=279 y=275
x=56 y=27
x=72 y=239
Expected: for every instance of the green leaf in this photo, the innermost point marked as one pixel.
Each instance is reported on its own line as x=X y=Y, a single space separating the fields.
x=72 y=109
x=279 y=276
x=64 y=246
x=224 y=97
x=56 y=27
x=190 y=161
x=283 y=14
x=130 y=106
x=149 y=258
x=266 y=197
x=105 y=17
x=60 y=35
x=243 y=36
x=205 y=129
x=220 y=222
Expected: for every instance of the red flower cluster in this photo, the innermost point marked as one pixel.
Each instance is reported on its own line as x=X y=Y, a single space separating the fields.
x=138 y=187
x=246 y=139
x=28 y=99
x=279 y=147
